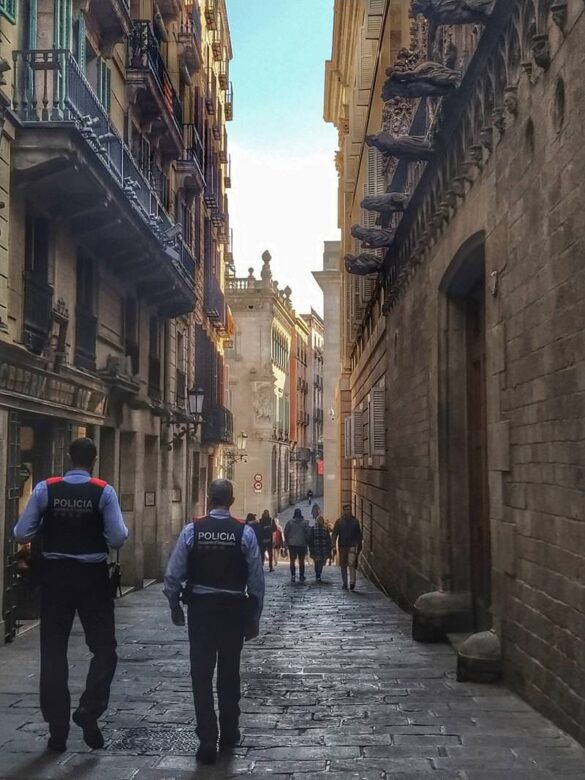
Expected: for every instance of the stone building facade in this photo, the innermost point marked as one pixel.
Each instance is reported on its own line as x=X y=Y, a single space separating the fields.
x=314 y=440
x=474 y=509
x=113 y=167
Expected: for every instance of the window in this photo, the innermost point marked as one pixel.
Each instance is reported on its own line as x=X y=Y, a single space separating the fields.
x=8 y=9
x=131 y=334
x=104 y=83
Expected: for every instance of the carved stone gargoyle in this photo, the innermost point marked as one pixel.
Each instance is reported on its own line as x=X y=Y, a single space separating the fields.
x=403 y=146
x=387 y=203
x=373 y=238
x=429 y=79
x=363 y=265
x=454 y=11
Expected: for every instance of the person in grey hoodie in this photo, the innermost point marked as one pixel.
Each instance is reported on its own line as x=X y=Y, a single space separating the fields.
x=296 y=536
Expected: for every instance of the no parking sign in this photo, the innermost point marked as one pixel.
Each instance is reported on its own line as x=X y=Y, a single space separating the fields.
x=257 y=483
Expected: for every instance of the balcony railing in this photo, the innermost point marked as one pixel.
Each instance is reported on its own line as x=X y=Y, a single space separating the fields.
x=193 y=145
x=214 y=300
x=85 y=340
x=38 y=306
x=211 y=13
x=191 y=20
x=144 y=54
x=218 y=426
x=50 y=88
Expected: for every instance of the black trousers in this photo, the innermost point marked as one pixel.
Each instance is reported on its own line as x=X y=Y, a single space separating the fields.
x=216 y=637
x=68 y=587
x=294 y=553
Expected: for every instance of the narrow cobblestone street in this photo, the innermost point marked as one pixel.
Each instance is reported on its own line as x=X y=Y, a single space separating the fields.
x=333 y=687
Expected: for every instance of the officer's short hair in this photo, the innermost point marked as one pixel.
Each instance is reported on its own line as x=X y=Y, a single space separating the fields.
x=346 y=506
x=220 y=493
x=83 y=452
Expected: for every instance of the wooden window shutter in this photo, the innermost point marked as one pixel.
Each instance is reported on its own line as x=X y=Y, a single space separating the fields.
x=378 y=422
x=347 y=427
x=367 y=51
x=375 y=15
x=357 y=434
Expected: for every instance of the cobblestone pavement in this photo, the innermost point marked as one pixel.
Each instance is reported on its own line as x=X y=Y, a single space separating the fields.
x=334 y=687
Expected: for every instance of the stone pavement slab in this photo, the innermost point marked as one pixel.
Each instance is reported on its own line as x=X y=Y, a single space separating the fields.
x=333 y=688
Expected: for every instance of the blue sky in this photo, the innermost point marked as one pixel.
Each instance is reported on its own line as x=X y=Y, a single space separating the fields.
x=284 y=183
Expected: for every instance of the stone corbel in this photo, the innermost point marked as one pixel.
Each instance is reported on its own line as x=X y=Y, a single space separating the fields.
x=458 y=187
x=476 y=156
x=559 y=13
x=486 y=136
x=499 y=120
x=511 y=99
x=541 y=52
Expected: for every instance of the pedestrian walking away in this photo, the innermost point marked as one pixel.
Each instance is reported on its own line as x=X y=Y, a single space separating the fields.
x=296 y=536
x=347 y=535
x=255 y=526
x=277 y=541
x=218 y=557
x=309 y=496
x=320 y=546
x=268 y=527
x=77 y=518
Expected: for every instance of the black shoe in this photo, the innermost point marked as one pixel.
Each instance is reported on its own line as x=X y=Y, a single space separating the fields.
x=206 y=754
x=92 y=735
x=57 y=742
x=271 y=569
x=344 y=587
x=302 y=578
x=352 y=586
x=293 y=579
x=230 y=739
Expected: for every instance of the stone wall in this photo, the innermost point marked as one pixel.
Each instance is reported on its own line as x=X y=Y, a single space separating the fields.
x=524 y=208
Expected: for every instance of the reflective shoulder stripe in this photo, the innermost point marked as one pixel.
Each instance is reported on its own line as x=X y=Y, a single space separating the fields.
x=54 y=480
x=239 y=520
x=99 y=482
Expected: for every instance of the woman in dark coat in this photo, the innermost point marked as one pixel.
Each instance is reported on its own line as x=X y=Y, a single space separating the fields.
x=319 y=545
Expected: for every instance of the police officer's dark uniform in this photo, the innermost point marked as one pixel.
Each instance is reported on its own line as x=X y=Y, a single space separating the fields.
x=76 y=516
x=218 y=557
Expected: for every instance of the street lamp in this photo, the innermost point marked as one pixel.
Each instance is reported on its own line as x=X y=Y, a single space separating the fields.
x=240 y=452
x=195 y=398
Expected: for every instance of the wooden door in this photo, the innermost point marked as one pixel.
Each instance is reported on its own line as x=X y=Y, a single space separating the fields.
x=480 y=537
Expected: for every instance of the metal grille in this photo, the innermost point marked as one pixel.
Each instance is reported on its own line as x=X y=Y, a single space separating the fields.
x=154 y=741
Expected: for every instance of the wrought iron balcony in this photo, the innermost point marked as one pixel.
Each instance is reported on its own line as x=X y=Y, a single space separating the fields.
x=38 y=305
x=191 y=165
x=218 y=425
x=214 y=300
x=189 y=38
x=85 y=340
x=114 y=22
x=116 y=210
x=147 y=71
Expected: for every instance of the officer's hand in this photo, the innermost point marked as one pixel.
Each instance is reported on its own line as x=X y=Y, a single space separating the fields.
x=252 y=630
x=178 y=616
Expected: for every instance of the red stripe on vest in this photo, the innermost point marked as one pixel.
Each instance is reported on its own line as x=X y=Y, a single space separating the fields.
x=53 y=480
x=99 y=482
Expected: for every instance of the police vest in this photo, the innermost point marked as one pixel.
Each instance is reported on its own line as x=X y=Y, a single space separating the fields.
x=72 y=522
x=216 y=559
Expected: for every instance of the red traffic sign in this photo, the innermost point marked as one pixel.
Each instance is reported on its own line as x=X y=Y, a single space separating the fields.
x=257 y=477
x=257 y=486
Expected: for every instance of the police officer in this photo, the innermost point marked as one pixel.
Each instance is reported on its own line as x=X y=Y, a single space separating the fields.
x=218 y=557
x=77 y=518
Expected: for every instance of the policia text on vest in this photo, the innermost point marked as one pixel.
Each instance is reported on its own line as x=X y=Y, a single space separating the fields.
x=78 y=519
x=218 y=558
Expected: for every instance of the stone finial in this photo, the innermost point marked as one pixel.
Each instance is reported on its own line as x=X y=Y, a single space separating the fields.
x=266 y=273
x=251 y=277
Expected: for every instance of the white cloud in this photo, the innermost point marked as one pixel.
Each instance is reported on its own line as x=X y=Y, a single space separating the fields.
x=288 y=205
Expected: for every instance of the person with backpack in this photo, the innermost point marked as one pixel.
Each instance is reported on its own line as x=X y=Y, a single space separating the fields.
x=267 y=526
x=296 y=536
x=319 y=545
